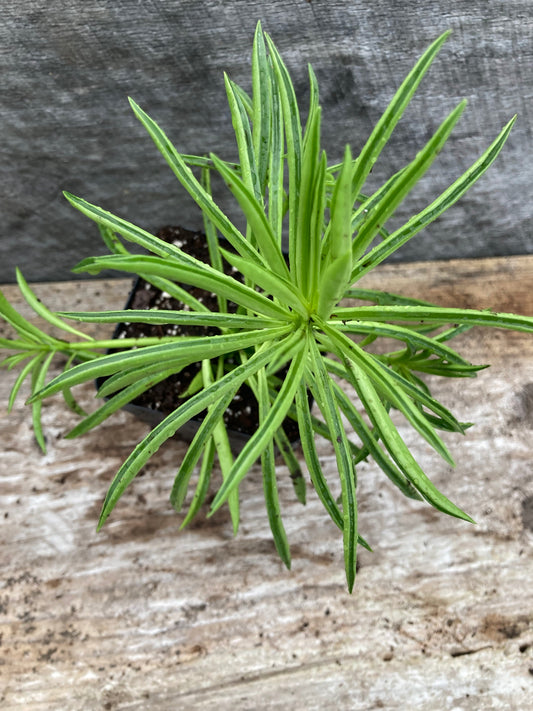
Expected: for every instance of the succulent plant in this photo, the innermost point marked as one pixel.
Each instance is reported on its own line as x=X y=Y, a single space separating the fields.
x=290 y=313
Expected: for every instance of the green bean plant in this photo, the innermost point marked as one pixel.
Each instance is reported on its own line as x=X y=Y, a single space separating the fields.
x=290 y=311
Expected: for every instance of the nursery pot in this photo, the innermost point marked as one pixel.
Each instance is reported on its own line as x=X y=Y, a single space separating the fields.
x=242 y=417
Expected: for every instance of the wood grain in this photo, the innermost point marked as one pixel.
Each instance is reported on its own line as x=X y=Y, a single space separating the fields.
x=67 y=68
x=143 y=616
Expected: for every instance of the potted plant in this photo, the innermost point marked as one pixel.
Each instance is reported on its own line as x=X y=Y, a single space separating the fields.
x=288 y=313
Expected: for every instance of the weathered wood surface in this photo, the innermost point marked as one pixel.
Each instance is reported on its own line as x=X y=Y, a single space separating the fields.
x=68 y=67
x=143 y=616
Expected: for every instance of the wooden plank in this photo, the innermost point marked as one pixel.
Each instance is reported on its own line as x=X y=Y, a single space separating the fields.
x=68 y=67
x=142 y=615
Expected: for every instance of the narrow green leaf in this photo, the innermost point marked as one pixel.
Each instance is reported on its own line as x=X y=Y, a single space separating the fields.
x=169 y=317
x=130 y=232
x=325 y=398
x=334 y=278
x=292 y=463
x=341 y=206
x=254 y=212
x=42 y=310
x=37 y=381
x=448 y=370
x=202 y=486
x=262 y=108
x=337 y=261
x=385 y=330
x=243 y=134
x=204 y=161
x=384 y=298
x=280 y=438
x=307 y=243
x=68 y=397
x=268 y=467
x=210 y=230
x=276 y=165
x=387 y=386
x=204 y=277
x=122 y=379
x=437 y=314
x=423 y=398
x=293 y=136
x=196 y=384
x=399 y=188
x=397 y=448
x=385 y=126
x=72 y=403
x=197 y=447
x=256 y=444
x=271 y=282
x=451 y=333
x=316 y=474
x=193 y=186
x=111 y=240
x=368 y=438
x=122 y=398
x=23 y=327
x=246 y=101
x=222 y=443
x=314 y=106
x=189 y=349
x=316 y=229
x=167 y=428
x=29 y=367
x=434 y=210
x=16 y=358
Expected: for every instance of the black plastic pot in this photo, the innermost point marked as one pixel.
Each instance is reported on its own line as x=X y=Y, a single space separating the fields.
x=146 y=408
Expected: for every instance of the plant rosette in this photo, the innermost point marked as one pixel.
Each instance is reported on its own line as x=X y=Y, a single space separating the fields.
x=289 y=314
x=241 y=417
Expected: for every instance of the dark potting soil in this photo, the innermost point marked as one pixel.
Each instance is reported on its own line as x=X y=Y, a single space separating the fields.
x=242 y=414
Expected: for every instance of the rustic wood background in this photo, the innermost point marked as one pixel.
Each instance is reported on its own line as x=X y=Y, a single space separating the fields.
x=67 y=67
x=143 y=616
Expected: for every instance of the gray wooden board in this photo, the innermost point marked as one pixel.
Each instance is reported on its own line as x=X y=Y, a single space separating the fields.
x=143 y=616
x=68 y=66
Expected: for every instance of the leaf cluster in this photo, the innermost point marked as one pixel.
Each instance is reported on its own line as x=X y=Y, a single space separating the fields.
x=290 y=312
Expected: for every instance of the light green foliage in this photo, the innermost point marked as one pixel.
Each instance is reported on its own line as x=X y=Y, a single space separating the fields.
x=288 y=314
